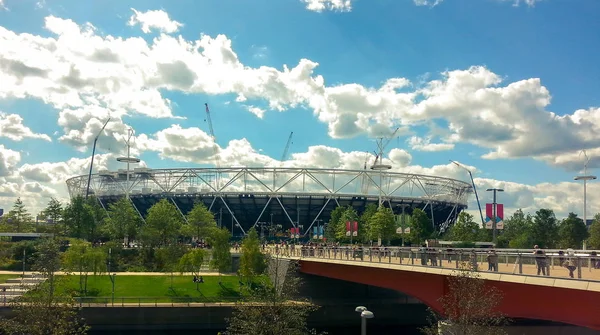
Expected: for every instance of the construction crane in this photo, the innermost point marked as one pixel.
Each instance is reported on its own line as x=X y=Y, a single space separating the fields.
x=287 y=147
x=212 y=135
x=283 y=158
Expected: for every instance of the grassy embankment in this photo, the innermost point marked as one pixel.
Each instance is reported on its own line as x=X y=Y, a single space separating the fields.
x=151 y=289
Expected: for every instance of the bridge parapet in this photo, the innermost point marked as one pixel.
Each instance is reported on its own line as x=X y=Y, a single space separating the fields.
x=578 y=270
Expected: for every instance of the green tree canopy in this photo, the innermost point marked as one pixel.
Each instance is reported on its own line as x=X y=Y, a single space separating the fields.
x=192 y=262
x=594 y=240
x=465 y=229
x=200 y=220
x=421 y=228
x=382 y=224
x=81 y=257
x=572 y=232
x=19 y=215
x=517 y=231
x=544 y=229
x=364 y=223
x=53 y=214
x=349 y=214
x=252 y=261
x=221 y=250
x=334 y=222
x=163 y=223
x=123 y=220
x=78 y=218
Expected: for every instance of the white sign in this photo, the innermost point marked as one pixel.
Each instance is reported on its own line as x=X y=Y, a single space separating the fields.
x=407 y=230
x=500 y=225
x=399 y=230
x=488 y=223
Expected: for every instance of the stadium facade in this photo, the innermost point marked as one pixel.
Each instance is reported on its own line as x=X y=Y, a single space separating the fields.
x=284 y=197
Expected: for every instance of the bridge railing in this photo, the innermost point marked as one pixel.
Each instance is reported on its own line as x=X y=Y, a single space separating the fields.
x=518 y=263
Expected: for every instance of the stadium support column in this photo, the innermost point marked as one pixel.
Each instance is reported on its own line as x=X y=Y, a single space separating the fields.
x=232 y=215
x=317 y=217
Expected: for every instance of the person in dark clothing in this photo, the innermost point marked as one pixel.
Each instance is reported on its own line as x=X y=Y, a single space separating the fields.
x=540 y=260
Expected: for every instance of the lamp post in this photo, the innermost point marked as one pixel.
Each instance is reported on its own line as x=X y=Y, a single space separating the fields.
x=585 y=177
x=495 y=190
x=364 y=315
x=112 y=280
x=474 y=188
x=403 y=218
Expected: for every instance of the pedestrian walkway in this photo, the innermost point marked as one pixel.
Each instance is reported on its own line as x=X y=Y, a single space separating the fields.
x=17 y=287
x=507 y=262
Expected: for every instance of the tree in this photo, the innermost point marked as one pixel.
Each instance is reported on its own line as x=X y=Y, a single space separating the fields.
x=54 y=213
x=421 y=228
x=594 y=240
x=572 y=232
x=517 y=231
x=382 y=224
x=221 y=250
x=163 y=223
x=19 y=215
x=274 y=307
x=192 y=262
x=544 y=228
x=334 y=222
x=167 y=258
x=78 y=218
x=123 y=221
x=97 y=227
x=41 y=311
x=201 y=221
x=83 y=258
x=465 y=229
x=252 y=261
x=349 y=215
x=364 y=222
x=47 y=262
x=469 y=308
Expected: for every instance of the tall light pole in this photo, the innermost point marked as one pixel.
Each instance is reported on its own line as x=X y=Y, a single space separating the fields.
x=585 y=177
x=129 y=160
x=402 y=222
x=364 y=315
x=87 y=189
x=495 y=190
x=474 y=190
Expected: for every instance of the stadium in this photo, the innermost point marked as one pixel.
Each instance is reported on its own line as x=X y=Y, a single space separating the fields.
x=278 y=197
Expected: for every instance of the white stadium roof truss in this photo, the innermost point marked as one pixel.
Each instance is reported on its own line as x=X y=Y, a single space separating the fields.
x=275 y=183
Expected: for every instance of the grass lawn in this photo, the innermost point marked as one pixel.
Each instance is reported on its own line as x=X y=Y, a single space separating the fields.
x=154 y=288
x=3 y=278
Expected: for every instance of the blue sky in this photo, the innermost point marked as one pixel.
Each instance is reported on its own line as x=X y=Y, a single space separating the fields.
x=514 y=42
